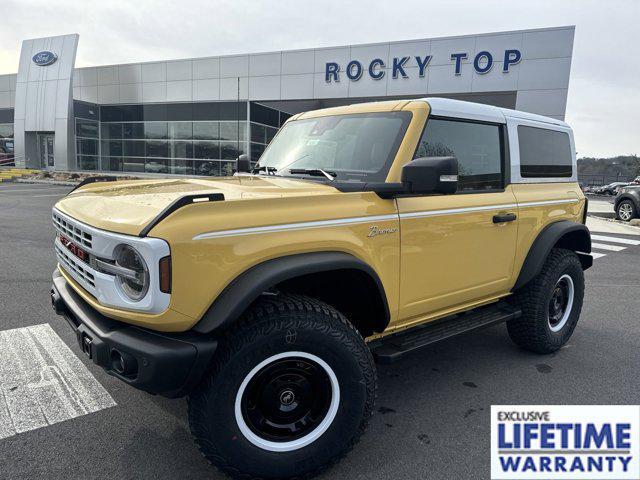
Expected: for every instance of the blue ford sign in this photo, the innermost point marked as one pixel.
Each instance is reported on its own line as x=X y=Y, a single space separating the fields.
x=44 y=58
x=483 y=62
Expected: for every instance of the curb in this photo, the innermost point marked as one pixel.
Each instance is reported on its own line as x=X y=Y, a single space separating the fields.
x=46 y=182
x=606 y=215
x=613 y=220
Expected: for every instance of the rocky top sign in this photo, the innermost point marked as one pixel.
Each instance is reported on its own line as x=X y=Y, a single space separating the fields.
x=483 y=62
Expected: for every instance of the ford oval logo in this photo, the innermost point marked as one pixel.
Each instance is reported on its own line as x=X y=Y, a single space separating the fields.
x=44 y=58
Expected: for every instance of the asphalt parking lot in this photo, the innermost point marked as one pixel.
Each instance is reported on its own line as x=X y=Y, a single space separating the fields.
x=432 y=415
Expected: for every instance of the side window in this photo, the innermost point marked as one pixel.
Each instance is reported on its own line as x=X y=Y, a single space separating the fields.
x=544 y=153
x=477 y=146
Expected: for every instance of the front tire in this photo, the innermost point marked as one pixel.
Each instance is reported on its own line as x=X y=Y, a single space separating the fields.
x=292 y=388
x=626 y=211
x=550 y=304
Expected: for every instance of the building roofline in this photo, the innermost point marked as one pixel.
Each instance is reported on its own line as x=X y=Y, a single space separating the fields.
x=328 y=47
x=331 y=47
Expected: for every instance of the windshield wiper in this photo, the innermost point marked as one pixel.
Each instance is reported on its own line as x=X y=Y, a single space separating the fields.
x=318 y=172
x=269 y=170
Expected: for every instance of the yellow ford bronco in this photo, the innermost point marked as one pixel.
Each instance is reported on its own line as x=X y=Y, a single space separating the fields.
x=362 y=233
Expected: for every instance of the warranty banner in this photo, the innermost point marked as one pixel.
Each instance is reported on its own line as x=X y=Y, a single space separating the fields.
x=565 y=442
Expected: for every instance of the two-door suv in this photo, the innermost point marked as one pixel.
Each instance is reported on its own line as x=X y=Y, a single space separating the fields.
x=362 y=233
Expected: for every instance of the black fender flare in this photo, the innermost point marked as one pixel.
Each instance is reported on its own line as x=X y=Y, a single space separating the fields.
x=250 y=284
x=566 y=234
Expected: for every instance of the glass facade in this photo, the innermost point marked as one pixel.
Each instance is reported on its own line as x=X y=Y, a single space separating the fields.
x=6 y=141
x=177 y=147
x=87 y=144
x=185 y=139
x=264 y=124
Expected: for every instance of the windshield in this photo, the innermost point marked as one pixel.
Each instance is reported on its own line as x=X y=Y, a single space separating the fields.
x=357 y=147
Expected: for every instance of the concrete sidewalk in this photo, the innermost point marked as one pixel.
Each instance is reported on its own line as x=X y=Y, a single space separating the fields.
x=609 y=226
x=601 y=208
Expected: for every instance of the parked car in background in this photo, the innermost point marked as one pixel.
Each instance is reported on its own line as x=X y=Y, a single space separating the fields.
x=611 y=189
x=616 y=190
x=627 y=203
x=6 y=157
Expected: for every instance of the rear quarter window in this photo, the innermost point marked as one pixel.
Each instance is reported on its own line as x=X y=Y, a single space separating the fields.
x=544 y=153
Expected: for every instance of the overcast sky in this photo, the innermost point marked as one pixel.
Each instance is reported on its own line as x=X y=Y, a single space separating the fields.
x=604 y=92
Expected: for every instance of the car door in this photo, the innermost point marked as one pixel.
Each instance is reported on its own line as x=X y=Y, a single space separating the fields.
x=459 y=249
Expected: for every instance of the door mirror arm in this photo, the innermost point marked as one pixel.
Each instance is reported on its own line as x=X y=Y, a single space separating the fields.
x=386 y=190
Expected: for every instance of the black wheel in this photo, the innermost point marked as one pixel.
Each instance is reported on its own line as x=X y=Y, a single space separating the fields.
x=550 y=303
x=626 y=210
x=292 y=388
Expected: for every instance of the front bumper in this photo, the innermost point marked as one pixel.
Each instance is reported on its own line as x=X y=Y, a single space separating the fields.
x=158 y=363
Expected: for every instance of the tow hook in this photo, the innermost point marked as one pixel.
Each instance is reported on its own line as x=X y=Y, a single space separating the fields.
x=56 y=302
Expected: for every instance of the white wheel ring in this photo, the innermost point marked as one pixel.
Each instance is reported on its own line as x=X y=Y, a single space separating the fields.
x=567 y=311
x=311 y=436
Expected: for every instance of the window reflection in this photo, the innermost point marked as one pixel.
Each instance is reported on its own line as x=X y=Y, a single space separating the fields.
x=133 y=130
x=180 y=130
x=133 y=148
x=184 y=139
x=6 y=141
x=206 y=131
x=181 y=149
x=88 y=162
x=155 y=130
x=156 y=165
x=157 y=149
x=206 y=150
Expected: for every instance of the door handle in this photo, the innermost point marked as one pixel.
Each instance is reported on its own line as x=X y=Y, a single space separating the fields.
x=505 y=217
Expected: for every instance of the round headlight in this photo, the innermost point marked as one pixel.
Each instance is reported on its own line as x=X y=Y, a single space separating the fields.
x=134 y=282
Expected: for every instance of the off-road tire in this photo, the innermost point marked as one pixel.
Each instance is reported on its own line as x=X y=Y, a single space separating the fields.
x=532 y=331
x=634 y=212
x=275 y=325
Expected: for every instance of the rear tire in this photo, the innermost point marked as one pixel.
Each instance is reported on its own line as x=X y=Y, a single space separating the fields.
x=626 y=211
x=550 y=304
x=292 y=388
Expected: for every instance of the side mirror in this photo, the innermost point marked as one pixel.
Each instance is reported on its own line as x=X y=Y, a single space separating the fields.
x=243 y=164
x=431 y=175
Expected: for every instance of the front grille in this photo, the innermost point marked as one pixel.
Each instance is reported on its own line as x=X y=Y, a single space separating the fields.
x=74 y=266
x=72 y=230
x=79 y=246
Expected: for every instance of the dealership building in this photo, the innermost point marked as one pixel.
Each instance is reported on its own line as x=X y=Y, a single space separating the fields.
x=196 y=115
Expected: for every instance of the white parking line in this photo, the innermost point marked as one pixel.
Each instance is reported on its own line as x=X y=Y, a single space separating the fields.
x=42 y=382
x=598 y=255
x=604 y=238
x=604 y=246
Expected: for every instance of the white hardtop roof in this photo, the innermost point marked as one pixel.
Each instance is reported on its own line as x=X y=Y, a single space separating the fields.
x=447 y=107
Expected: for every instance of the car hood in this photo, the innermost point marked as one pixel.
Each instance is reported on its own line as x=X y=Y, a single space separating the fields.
x=129 y=206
